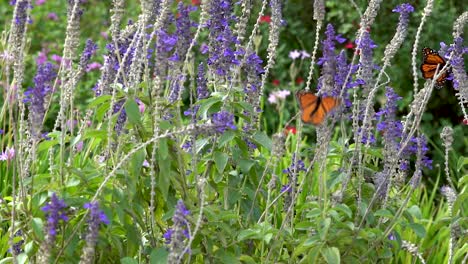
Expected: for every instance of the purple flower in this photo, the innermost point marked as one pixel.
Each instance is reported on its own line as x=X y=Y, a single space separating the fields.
x=390 y=127
x=176 y=235
x=222 y=55
x=89 y=50
x=183 y=28
x=168 y=235
x=55 y=211
x=404 y=10
x=34 y=96
x=96 y=215
x=17 y=247
x=202 y=89
x=460 y=78
x=328 y=60
x=299 y=165
x=93 y=66
x=119 y=107
x=222 y=121
x=21 y=12
x=175 y=89
x=366 y=65
x=42 y=57
x=52 y=16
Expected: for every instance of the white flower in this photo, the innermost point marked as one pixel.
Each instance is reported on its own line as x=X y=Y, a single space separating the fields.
x=275 y=96
x=304 y=54
x=294 y=54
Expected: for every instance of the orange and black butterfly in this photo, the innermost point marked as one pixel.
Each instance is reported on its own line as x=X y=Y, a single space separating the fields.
x=428 y=68
x=314 y=108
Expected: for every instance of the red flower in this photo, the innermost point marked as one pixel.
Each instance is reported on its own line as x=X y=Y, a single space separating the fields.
x=275 y=82
x=196 y=2
x=465 y=122
x=299 y=80
x=349 y=45
x=265 y=19
x=290 y=129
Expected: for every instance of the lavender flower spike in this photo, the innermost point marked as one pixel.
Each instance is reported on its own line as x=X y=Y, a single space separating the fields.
x=95 y=218
x=176 y=235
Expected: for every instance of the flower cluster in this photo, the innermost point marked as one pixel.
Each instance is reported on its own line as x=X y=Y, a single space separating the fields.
x=55 y=211
x=89 y=50
x=222 y=121
x=35 y=96
x=295 y=54
x=176 y=235
x=221 y=51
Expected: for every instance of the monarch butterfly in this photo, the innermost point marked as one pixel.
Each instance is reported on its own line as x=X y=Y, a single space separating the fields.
x=315 y=108
x=428 y=68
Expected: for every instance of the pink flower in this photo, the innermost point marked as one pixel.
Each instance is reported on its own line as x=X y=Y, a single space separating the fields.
x=79 y=146
x=42 y=57
x=52 y=16
x=146 y=164
x=93 y=66
x=275 y=82
x=56 y=58
x=276 y=96
x=40 y=2
x=104 y=35
x=8 y=154
x=141 y=106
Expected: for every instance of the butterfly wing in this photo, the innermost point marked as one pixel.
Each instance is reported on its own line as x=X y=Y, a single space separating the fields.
x=314 y=108
x=308 y=102
x=430 y=61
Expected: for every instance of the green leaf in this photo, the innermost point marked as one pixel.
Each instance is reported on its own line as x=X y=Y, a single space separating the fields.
x=6 y=260
x=462 y=161
x=345 y=209
x=415 y=211
x=226 y=137
x=206 y=104
x=331 y=255
x=247 y=259
x=163 y=149
x=22 y=258
x=324 y=226
x=220 y=160
x=384 y=213
x=100 y=134
x=159 y=256
x=263 y=139
x=37 y=226
x=99 y=100
x=418 y=229
x=128 y=260
x=137 y=161
x=314 y=213
x=226 y=257
x=246 y=165
x=132 y=111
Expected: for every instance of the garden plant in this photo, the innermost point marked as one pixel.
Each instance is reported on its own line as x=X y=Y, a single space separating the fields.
x=221 y=131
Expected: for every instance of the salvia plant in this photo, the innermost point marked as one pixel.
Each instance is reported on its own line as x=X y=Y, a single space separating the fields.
x=154 y=144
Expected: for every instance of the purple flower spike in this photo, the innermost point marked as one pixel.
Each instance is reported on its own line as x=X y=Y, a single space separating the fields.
x=55 y=211
x=223 y=120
